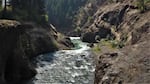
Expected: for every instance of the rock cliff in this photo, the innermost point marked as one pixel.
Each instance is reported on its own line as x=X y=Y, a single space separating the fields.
x=20 y=43
x=130 y=27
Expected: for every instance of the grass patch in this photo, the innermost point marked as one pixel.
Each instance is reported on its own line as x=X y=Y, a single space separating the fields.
x=111 y=44
x=96 y=48
x=142 y=4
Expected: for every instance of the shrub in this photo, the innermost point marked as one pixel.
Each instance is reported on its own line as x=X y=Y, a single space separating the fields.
x=44 y=18
x=78 y=30
x=96 y=48
x=141 y=4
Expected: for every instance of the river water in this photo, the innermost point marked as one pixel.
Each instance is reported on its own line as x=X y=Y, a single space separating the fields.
x=74 y=66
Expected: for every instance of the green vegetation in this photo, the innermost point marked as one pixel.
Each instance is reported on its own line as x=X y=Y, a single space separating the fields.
x=78 y=30
x=33 y=10
x=97 y=48
x=141 y=4
x=25 y=10
x=61 y=12
x=90 y=18
x=111 y=44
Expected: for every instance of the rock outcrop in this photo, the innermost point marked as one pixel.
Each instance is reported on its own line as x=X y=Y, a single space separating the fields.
x=90 y=34
x=20 y=43
x=129 y=27
x=132 y=28
x=14 y=64
x=128 y=65
x=118 y=17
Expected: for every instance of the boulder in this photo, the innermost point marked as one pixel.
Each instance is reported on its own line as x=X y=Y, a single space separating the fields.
x=101 y=32
x=67 y=42
x=88 y=37
x=90 y=45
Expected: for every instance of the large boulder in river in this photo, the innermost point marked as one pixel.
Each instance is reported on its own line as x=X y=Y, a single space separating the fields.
x=66 y=41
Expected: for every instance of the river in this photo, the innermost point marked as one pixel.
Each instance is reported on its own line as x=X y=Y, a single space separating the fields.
x=74 y=66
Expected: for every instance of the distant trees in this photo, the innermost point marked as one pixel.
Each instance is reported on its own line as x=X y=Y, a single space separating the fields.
x=5 y=8
x=61 y=12
x=24 y=10
x=29 y=9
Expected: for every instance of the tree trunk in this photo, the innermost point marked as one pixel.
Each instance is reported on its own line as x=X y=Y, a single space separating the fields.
x=4 y=11
x=5 y=5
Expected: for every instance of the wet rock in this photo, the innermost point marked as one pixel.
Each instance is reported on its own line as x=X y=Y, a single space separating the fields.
x=82 y=56
x=67 y=42
x=90 y=45
x=78 y=63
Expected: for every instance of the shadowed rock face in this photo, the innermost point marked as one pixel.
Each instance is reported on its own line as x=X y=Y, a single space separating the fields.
x=115 y=17
x=15 y=65
x=19 y=43
x=90 y=36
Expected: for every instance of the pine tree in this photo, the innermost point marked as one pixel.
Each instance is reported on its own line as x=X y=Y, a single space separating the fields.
x=32 y=10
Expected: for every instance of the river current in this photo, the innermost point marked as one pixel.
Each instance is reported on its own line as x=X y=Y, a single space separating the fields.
x=74 y=66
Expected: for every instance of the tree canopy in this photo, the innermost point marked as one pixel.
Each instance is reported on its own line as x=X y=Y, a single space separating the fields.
x=61 y=12
x=26 y=10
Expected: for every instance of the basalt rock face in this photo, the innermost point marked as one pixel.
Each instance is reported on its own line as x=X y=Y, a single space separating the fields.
x=131 y=28
x=90 y=34
x=12 y=61
x=66 y=41
x=128 y=65
x=20 y=43
x=122 y=18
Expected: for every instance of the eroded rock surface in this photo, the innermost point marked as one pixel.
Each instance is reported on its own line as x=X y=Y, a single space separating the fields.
x=131 y=28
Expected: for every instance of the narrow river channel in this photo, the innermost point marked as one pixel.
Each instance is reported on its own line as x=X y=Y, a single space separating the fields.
x=74 y=66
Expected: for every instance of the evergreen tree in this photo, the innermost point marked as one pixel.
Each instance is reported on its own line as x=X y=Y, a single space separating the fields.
x=32 y=10
x=61 y=12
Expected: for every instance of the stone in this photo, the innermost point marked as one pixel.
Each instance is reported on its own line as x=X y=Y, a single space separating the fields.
x=78 y=62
